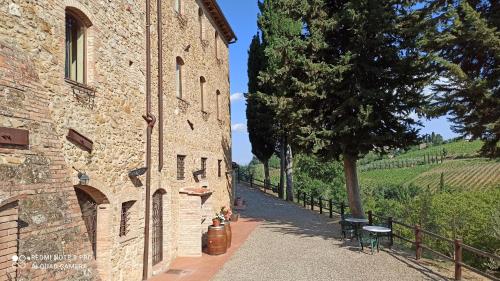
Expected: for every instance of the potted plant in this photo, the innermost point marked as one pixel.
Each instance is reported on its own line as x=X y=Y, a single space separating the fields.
x=226 y=212
x=216 y=221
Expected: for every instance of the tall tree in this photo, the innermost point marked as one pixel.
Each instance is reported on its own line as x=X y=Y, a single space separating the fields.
x=367 y=76
x=281 y=24
x=464 y=37
x=260 y=117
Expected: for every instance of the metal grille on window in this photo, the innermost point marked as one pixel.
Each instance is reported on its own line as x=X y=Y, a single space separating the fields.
x=157 y=227
x=219 y=171
x=180 y=166
x=125 y=218
x=204 y=168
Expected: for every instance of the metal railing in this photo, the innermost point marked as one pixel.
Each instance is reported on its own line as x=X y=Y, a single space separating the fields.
x=312 y=202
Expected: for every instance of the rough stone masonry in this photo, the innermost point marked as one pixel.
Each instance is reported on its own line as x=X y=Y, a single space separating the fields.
x=58 y=227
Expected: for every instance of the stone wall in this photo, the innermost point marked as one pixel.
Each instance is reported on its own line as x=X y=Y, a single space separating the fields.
x=34 y=96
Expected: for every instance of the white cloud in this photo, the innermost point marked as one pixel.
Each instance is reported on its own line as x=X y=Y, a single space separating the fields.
x=237 y=97
x=239 y=128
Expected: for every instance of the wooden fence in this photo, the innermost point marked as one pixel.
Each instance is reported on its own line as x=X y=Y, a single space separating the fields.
x=417 y=240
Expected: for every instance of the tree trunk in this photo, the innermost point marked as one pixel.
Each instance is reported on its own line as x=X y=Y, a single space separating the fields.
x=351 y=179
x=281 y=188
x=289 y=173
x=267 y=180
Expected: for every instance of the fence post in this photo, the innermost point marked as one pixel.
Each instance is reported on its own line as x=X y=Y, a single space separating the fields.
x=320 y=205
x=458 y=259
x=312 y=202
x=251 y=180
x=370 y=218
x=389 y=225
x=305 y=198
x=330 y=207
x=298 y=196
x=418 y=242
x=342 y=210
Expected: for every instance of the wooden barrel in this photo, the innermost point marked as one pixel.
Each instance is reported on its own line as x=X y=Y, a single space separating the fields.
x=229 y=233
x=217 y=242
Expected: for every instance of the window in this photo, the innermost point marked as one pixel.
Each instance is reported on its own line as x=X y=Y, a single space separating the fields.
x=200 y=23
x=204 y=168
x=219 y=168
x=202 y=90
x=180 y=166
x=178 y=77
x=177 y=6
x=125 y=218
x=75 y=49
x=216 y=44
x=217 y=97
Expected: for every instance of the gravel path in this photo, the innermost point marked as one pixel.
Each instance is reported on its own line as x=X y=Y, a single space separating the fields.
x=296 y=244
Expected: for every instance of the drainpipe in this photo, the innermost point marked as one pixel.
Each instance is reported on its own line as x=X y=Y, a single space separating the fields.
x=150 y=120
x=160 y=86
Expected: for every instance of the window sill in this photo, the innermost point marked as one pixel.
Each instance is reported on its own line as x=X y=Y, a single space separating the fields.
x=79 y=85
x=182 y=100
x=126 y=239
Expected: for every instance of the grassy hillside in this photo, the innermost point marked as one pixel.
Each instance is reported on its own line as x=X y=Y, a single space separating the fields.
x=458 y=149
x=458 y=172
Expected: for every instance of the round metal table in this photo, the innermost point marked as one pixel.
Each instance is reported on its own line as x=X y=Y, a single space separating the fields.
x=356 y=222
x=377 y=230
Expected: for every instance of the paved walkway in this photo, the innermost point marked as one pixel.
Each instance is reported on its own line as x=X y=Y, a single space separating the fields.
x=296 y=244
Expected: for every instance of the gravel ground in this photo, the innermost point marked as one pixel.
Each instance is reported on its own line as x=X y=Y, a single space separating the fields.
x=296 y=244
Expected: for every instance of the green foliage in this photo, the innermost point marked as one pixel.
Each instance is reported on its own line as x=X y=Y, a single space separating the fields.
x=368 y=77
x=464 y=38
x=260 y=117
x=319 y=178
x=469 y=215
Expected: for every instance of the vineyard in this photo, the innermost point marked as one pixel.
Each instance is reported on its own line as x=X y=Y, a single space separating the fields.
x=471 y=174
x=423 y=168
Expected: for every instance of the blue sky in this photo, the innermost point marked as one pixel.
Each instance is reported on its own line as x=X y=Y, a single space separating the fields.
x=242 y=15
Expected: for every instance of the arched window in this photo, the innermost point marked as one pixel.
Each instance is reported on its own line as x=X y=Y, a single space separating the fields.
x=202 y=90
x=177 y=6
x=216 y=44
x=178 y=76
x=200 y=22
x=75 y=66
x=217 y=96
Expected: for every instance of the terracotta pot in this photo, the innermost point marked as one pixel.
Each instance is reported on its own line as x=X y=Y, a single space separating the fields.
x=215 y=222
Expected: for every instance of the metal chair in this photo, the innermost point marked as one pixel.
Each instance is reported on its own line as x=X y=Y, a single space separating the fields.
x=347 y=229
x=368 y=238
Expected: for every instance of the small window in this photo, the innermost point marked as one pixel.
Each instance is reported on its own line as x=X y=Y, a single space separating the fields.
x=202 y=90
x=219 y=168
x=180 y=166
x=200 y=23
x=216 y=44
x=125 y=218
x=217 y=97
x=177 y=6
x=178 y=76
x=204 y=168
x=75 y=66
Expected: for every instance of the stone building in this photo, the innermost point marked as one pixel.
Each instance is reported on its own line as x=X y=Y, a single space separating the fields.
x=73 y=140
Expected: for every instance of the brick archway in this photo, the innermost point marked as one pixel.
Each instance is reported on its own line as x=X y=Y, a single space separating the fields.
x=97 y=219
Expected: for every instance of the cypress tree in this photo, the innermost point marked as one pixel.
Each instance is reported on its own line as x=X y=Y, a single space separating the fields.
x=260 y=117
x=281 y=24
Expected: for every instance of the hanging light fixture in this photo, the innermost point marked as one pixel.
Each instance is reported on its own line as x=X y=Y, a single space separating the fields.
x=84 y=178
